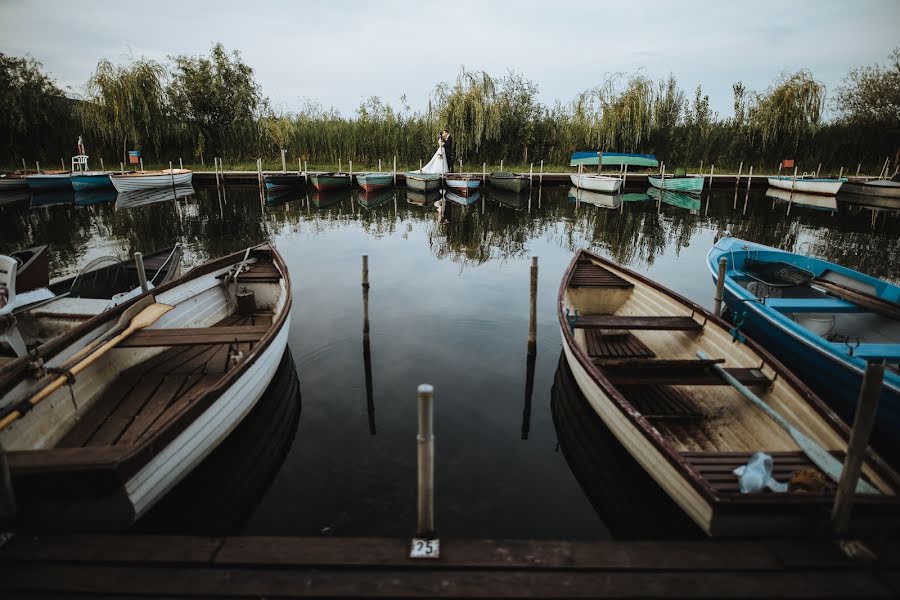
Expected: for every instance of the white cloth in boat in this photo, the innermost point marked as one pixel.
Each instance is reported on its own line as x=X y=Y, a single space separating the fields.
x=438 y=162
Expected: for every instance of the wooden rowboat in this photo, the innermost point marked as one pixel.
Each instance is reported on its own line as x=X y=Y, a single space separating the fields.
x=330 y=181
x=883 y=188
x=633 y=348
x=423 y=182
x=462 y=185
x=596 y=183
x=374 y=181
x=276 y=181
x=12 y=181
x=142 y=180
x=809 y=185
x=102 y=450
x=691 y=184
x=512 y=182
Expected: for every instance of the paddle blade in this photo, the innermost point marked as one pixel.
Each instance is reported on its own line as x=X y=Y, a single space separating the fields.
x=150 y=315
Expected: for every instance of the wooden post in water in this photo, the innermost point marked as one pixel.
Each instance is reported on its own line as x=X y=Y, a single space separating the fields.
x=172 y=175
x=737 y=181
x=142 y=164
x=180 y=163
x=122 y=168
x=858 y=167
x=720 y=288
x=425 y=442
x=501 y=165
x=340 y=166
x=420 y=164
x=624 y=178
x=216 y=170
x=367 y=350
x=599 y=162
x=532 y=314
x=712 y=170
x=541 y=174
x=856 y=449
x=7 y=496
x=102 y=168
x=62 y=163
x=483 y=172
x=750 y=178
x=530 y=174
x=700 y=172
x=299 y=167
x=841 y=174
x=283 y=161
x=141 y=272
x=24 y=168
x=351 y=174
x=395 y=170
x=883 y=173
x=37 y=165
x=379 y=165
x=818 y=169
x=794 y=181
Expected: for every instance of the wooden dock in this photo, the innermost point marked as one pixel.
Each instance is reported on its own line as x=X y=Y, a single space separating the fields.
x=548 y=179
x=99 y=566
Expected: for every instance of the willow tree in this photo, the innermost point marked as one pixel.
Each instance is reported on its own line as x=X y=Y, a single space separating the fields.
x=217 y=97
x=788 y=113
x=35 y=115
x=126 y=104
x=470 y=109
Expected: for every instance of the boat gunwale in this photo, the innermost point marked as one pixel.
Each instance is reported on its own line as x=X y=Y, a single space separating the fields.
x=160 y=173
x=682 y=466
x=126 y=461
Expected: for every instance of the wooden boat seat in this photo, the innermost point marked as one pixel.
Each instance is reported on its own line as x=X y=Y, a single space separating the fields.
x=147 y=396
x=587 y=274
x=641 y=371
x=716 y=468
x=637 y=322
x=260 y=272
x=191 y=336
x=615 y=345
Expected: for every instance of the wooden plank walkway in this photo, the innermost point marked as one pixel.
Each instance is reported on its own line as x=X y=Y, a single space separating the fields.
x=94 y=565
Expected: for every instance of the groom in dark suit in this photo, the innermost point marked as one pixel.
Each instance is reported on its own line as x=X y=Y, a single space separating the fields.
x=448 y=149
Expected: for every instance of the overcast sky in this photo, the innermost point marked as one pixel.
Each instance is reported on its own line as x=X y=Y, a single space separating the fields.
x=341 y=52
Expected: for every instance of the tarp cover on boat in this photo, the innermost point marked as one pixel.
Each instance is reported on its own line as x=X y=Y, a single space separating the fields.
x=589 y=157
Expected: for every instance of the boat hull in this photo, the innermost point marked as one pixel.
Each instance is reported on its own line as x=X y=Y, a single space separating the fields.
x=136 y=182
x=463 y=187
x=325 y=183
x=881 y=188
x=49 y=182
x=690 y=185
x=12 y=182
x=510 y=182
x=676 y=199
x=829 y=187
x=423 y=182
x=596 y=183
x=86 y=182
x=283 y=180
x=374 y=181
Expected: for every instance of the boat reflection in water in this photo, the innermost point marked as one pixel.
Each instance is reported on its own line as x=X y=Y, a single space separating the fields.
x=420 y=198
x=326 y=198
x=676 y=199
x=95 y=196
x=278 y=195
x=580 y=195
x=222 y=492
x=13 y=196
x=472 y=198
x=814 y=201
x=375 y=198
x=627 y=499
x=52 y=197
x=510 y=199
x=146 y=197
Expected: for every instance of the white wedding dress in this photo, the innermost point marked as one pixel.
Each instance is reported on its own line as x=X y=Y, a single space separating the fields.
x=437 y=164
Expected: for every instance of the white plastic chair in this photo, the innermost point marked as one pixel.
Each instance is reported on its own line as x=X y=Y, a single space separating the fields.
x=9 y=333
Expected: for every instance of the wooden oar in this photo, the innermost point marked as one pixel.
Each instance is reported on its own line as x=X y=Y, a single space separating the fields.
x=145 y=318
x=816 y=453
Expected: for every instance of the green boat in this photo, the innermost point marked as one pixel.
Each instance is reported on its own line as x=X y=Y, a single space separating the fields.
x=370 y=200
x=613 y=159
x=688 y=184
x=374 y=181
x=423 y=181
x=513 y=182
x=330 y=181
x=677 y=199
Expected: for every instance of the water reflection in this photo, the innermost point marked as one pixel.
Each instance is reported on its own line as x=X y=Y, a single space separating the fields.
x=209 y=224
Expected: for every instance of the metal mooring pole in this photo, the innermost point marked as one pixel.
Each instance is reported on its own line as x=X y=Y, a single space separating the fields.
x=425 y=545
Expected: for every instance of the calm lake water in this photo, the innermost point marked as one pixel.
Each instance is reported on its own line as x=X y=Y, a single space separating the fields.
x=448 y=305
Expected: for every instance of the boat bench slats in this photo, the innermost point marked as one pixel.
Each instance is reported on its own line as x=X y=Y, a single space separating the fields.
x=587 y=274
x=195 y=336
x=716 y=468
x=661 y=402
x=615 y=345
x=638 y=322
x=802 y=305
x=674 y=372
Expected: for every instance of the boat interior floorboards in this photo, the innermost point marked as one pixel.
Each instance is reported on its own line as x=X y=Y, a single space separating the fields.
x=147 y=396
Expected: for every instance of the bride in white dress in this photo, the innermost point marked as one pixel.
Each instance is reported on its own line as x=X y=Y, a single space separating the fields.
x=438 y=162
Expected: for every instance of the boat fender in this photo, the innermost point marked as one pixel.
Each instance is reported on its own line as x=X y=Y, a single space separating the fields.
x=756 y=475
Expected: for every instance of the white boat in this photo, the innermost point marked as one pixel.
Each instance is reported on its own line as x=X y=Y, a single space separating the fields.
x=596 y=183
x=809 y=185
x=100 y=451
x=129 y=182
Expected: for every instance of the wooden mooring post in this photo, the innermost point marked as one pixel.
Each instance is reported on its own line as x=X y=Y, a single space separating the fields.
x=720 y=288
x=62 y=163
x=863 y=421
x=367 y=349
x=24 y=168
x=102 y=168
x=283 y=161
x=141 y=272
x=737 y=181
x=532 y=314
x=750 y=178
x=37 y=166
x=142 y=164
x=425 y=442
x=541 y=174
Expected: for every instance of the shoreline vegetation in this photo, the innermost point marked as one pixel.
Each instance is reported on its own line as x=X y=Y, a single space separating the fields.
x=199 y=107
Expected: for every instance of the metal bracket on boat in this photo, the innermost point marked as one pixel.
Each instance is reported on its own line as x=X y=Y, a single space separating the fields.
x=851 y=347
x=736 y=335
x=36 y=365
x=572 y=320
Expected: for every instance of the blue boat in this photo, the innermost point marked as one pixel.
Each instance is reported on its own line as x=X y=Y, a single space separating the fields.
x=91 y=180
x=824 y=321
x=276 y=181
x=49 y=181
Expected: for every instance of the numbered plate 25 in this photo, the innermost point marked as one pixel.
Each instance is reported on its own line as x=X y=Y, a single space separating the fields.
x=422 y=548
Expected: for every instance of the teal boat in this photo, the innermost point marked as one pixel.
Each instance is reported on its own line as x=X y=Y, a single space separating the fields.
x=84 y=181
x=370 y=200
x=330 y=181
x=374 y=181
x=613 y=159
x=688 y=184
x=677 y=199
x=512 y=182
